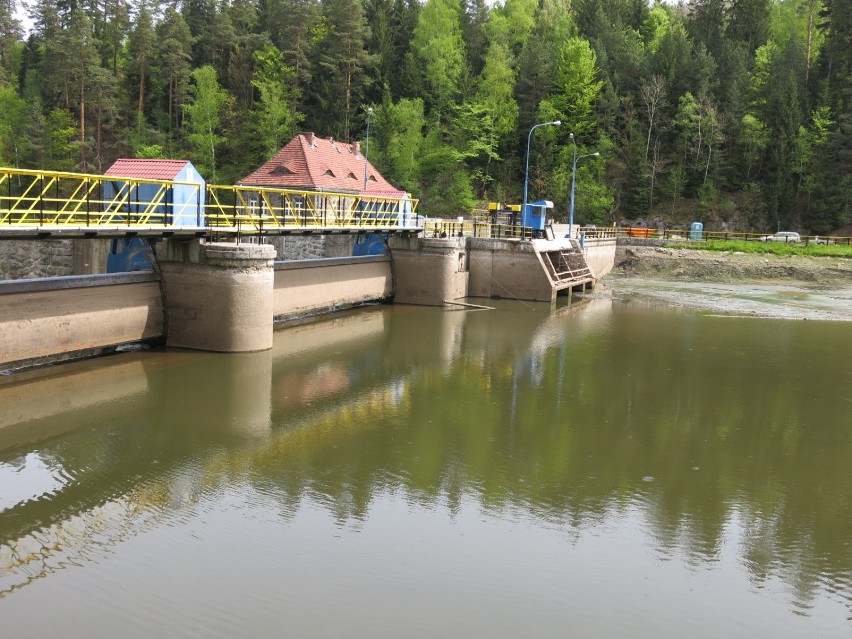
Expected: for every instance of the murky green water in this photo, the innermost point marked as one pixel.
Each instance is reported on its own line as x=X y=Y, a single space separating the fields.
x=612 y=469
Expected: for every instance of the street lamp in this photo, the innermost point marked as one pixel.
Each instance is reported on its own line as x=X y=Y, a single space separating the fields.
x=527 y=173
x=367 y=146
x=574 y=179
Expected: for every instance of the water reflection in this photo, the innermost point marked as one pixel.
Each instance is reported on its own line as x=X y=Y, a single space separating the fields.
x=711 y=432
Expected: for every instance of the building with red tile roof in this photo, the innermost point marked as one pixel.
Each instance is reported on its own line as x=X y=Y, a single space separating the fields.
x=312 y=163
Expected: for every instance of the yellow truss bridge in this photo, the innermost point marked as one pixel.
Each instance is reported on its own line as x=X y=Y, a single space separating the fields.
x=55 y=204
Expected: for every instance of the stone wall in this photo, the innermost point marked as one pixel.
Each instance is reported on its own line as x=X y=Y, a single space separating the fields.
x=25 y=259
x=313 y=247
x=32 y=259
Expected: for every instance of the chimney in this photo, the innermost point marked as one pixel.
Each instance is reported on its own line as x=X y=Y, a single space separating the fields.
x=356 y=148
x=309 y=137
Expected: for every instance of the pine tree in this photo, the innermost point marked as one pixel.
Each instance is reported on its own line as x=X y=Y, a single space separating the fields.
x=83 y=62
x=172 y=68
x=141 y=46
x=10 y=33
x=337 y=93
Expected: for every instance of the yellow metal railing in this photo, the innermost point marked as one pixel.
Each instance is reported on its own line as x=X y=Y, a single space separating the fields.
x=676 y=235
x=51 y=198
x=58 y=199
x=262 y=208
x=439 y=227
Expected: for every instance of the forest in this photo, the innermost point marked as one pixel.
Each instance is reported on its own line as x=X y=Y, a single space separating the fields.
x=736 y=113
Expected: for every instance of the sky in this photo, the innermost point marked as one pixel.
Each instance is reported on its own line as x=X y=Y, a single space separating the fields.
x=22 y=13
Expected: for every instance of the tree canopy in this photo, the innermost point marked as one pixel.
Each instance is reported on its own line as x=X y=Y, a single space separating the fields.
x=737 y=113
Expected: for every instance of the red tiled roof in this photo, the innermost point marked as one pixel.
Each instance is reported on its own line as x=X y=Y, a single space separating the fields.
x=146 y=169
x=383 y=192
x=319 y=163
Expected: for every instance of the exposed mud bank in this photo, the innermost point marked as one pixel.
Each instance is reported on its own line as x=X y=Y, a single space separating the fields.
x=703 y=266
x=735 y=283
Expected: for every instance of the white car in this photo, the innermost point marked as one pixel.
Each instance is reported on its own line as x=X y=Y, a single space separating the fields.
x=787 y=237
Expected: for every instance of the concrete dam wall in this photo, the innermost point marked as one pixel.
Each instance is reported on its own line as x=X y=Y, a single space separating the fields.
x=227 y=297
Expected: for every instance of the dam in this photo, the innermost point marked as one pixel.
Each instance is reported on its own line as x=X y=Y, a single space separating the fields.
x=229 y=297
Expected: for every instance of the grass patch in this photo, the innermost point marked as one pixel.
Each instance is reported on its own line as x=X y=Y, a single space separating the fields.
x=774 y=248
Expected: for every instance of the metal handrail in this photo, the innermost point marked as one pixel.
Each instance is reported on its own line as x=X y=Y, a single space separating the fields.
x=64 y=200
x=687 y=235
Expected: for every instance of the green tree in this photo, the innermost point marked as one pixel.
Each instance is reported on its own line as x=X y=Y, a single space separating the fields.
x=511 y=23
x=495 y=88
x=438 y=46
x=675 y=184
x=654 y=28
x=275 y=113
x=576 y=88
x=203 y=118
x=812 y=147
x=13 y=117
x=141 y=50
x=399 y=139
x=172 y=68
x=753 y=138
x=111 y=23
x=10 y=33
x=61 y=148
x=782 y=113
x=446 y=186
x=748 y=22
x=474 y=20
x=537 y=60
x=337 y=92
x=83 y=64
x=295 y=27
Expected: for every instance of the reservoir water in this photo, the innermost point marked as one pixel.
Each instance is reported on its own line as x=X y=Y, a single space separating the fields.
x=608 y=468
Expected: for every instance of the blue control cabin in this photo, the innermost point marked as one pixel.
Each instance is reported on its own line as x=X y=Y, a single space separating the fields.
x=128 y=194
x=180 y=204
x=534 y=216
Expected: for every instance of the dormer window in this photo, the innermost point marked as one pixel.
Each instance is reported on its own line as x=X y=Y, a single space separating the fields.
x=351 y=176
x=282 y=170
x=329 y=173
x=372 y=178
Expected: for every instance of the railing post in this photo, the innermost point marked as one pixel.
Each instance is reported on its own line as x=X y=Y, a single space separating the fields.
x=41 y=201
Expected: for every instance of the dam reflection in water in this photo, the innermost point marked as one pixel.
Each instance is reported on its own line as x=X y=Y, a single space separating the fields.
x=608 y=468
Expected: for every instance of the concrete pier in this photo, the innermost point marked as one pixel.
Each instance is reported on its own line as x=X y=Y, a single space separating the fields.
x=510 y=269
x=429 y=270
x=218 y=295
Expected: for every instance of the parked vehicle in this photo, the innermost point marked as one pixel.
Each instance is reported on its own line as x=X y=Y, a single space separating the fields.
x=787 y=237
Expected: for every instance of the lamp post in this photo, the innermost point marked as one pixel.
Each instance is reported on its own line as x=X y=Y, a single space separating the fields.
x=367 y=146
x=574 y=180
x=527 y=172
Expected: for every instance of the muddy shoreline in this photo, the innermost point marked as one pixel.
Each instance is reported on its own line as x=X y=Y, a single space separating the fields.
x=788 y=287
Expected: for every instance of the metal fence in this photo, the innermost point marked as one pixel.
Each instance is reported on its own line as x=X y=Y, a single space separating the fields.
x=687 y=236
